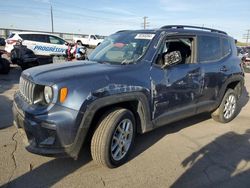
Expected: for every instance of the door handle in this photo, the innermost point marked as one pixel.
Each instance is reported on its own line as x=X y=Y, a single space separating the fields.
x=193 y=74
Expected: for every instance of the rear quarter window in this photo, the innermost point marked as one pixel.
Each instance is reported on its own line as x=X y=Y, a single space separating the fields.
x=209 y=48
x=226 y=47
x=34 y=37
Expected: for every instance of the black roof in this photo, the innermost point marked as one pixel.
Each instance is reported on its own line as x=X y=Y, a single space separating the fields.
x=183 y=29
x=193 y=27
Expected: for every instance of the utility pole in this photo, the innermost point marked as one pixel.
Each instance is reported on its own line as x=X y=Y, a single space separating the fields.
x=51 y=17
x=247 y=36
x=145 y=23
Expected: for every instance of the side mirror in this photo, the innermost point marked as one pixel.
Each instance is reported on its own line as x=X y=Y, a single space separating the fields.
x=172 y=58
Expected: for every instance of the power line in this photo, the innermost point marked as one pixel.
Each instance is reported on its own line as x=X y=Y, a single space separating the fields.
x=247 y=36
x=145 y=23
x=51 y=17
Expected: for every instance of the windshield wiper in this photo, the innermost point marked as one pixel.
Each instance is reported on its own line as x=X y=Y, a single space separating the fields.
x=125 y=61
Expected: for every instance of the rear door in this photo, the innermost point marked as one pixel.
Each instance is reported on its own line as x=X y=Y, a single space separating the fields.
x=44 y=45
x=35 y=42
x=213 y=54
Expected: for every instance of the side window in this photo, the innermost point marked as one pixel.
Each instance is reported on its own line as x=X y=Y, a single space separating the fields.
x=34 y=37
x=24 y=36
x=209 y=49
x=92 y=37
x=183 y=46
x=39 y=38
x=226 y=47
x=55 y=40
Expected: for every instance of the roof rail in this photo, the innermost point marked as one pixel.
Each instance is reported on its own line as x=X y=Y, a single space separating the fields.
x=122 y=31
x=192 y=27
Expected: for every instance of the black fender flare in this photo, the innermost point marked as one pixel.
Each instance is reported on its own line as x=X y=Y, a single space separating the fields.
x=235 y=78
x=88 y=112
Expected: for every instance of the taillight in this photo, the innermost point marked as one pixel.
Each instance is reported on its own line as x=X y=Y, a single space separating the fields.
x=11 y=41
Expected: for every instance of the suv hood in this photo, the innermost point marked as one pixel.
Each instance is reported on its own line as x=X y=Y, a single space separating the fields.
x=56 y=73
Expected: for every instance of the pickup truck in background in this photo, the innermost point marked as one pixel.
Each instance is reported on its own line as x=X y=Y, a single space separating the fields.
x=88 y=40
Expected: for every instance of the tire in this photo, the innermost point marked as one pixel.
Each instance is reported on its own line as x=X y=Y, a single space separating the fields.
x=105 y=149
x=5 y=66
x=79 y=43
x=227 y=110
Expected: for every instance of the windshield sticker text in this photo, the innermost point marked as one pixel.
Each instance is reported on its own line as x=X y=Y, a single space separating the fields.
x=144 y=36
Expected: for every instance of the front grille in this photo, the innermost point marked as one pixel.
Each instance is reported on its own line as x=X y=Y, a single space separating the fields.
x=26 y=88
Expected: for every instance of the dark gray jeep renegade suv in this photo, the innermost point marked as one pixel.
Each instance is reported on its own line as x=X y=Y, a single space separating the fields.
x=133 y=82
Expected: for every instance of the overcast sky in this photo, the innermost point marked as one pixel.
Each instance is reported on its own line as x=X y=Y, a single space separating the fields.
x=107 y=16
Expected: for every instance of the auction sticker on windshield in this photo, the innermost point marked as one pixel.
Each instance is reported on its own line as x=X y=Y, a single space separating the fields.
x=144 y=36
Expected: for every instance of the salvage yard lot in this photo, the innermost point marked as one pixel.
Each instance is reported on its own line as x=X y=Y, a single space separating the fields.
x=195 y=152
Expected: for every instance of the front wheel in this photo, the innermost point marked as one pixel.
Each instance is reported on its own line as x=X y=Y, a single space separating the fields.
x=227 y=110
x=114 y=138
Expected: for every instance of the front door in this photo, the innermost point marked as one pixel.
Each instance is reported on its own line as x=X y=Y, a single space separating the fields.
x=177 y=87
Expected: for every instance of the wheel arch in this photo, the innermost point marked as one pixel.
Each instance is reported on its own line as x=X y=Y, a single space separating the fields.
x=136 y=102
x=235 y=83
x=237 y=86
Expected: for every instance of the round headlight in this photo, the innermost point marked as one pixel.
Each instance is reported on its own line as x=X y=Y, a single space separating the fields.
x=48 y=94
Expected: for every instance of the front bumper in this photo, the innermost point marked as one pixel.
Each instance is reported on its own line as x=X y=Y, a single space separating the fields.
x=48 y=133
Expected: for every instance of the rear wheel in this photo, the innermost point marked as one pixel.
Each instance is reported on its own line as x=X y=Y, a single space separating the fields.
x=228 y=107
x=114 y=138
x=79 y=43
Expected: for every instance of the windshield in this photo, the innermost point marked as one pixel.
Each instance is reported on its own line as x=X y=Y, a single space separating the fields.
x=122 y=48
x=100 y=37
x=11 y=35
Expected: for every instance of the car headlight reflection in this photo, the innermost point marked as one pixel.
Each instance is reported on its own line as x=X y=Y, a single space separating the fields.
x=48 y=94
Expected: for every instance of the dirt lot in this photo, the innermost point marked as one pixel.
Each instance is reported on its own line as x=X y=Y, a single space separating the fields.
x=195 y=152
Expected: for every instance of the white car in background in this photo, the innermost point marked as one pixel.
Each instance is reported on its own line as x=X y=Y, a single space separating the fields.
x=88 y=40
x=35 y=48
x=39 y=43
